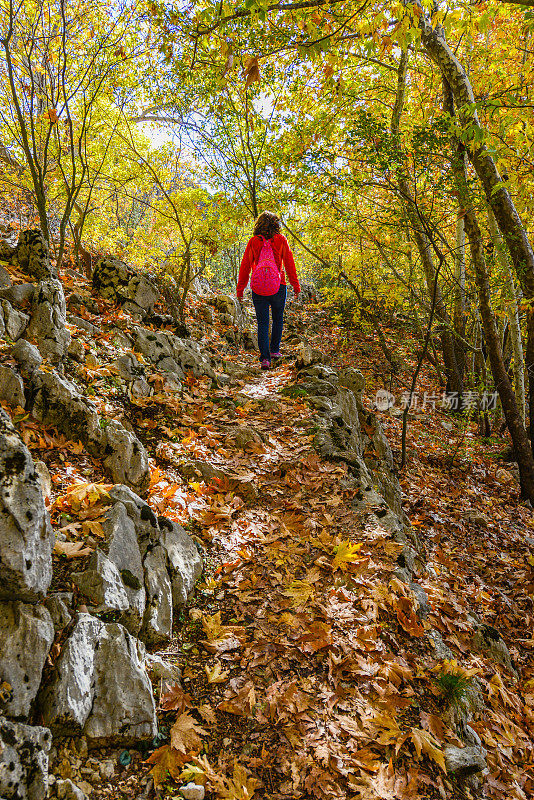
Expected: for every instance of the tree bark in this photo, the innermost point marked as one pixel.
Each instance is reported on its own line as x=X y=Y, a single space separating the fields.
x=498 y=196
x=514 y=422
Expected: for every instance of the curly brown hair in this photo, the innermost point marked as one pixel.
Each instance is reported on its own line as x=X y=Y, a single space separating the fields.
x=267 y=225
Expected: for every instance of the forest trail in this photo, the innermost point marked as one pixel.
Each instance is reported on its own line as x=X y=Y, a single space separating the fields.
x=309 y=668
x=333 y=647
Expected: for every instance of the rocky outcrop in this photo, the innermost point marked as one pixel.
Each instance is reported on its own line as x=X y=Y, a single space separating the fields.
x=23 y=761
x=185 y=564
x=26 y=538
x=11 y=387
x=32 y=254
x=125 y=457
x=100 y=686
x=13 y=323
x=116 y=281
x=57 y=402
x=48 y=320
x=26 y=636
x=146 y=566
x=169 y=353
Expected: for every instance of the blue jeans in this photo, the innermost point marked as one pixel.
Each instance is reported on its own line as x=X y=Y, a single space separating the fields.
x=261 y=305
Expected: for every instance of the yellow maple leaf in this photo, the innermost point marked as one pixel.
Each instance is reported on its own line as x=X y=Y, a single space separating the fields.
x=299 y=592
x=216 y=674
x=239 y=786
x=344 y=554
x=426 y=743
x=166 y=762
x=186 y=733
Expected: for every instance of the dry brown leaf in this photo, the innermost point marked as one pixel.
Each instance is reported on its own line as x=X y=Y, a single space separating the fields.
x=186 y=733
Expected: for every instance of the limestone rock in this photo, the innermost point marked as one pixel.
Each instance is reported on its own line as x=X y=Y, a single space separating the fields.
x=26 y=355
x=26 y=636
x=66 y=702
x=193 y=791
x=101 y=583
x=5 y=277
x=128 y=367
x=32 y=254
x=23 y=761
x=124 y=552
x=144 y=519
x=185 y=564
x=164 y=670
x=111 y=705
x=464 y=761
x=489 y=640
x=242 y=435
x=157 y=623
x=123 y=710
x=48 y=320
x=83 y=324
x=13 y=322
x=45 y=478
x=308 y=355
x=127 y=459
x=58 y=605
x=76 y=350
x=11 y=387
x=19 y=294
x=57 y=402
x=118 y=282
x=172 y=354
x=26 y=538
x=354 y=380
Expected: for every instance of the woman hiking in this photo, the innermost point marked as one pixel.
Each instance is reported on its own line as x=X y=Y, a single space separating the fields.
x=268 y=255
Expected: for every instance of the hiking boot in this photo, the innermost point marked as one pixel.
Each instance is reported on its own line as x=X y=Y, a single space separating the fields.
x=265 y=364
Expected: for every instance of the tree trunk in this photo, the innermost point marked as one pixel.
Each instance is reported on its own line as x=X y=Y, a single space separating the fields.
x=498 y=196
x=513 y=315
x=419 y=234
x=523 y=450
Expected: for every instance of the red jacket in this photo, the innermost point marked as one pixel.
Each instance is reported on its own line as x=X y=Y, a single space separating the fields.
x=282 y=255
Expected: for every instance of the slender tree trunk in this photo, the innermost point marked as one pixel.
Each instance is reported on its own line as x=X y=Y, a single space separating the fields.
x=513 y=315
x=497 y=194
x=419 y=234
x=523 y=450
x=459 y=293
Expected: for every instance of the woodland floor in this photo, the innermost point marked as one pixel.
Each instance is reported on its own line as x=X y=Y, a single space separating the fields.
x=302 y=676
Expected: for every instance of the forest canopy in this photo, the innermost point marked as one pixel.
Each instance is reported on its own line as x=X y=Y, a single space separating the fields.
x=394 y=139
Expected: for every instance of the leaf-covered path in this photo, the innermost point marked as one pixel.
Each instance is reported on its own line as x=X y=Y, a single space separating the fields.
x=308 y=669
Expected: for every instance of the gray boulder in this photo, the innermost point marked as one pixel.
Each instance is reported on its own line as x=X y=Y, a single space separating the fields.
x=172 y=354
x=5 y=277
x=32 y=253
x=12 y=322
x=142 y=516
x=58 y=604
x=26 y=355
x=124 y=552
x=118 y=282
x=26 y=636
x=489 y=640
x=127 y=459
x=101 y=584
x=18 y=294
x=48 y=320
x=100 y=686
x=123 y=710
x=58 y=403
x=185 y=563
x=157 y=623
x=26 y=538
x=11 y=387
x=464 y=761
x=354 y=380
x=23 y=761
